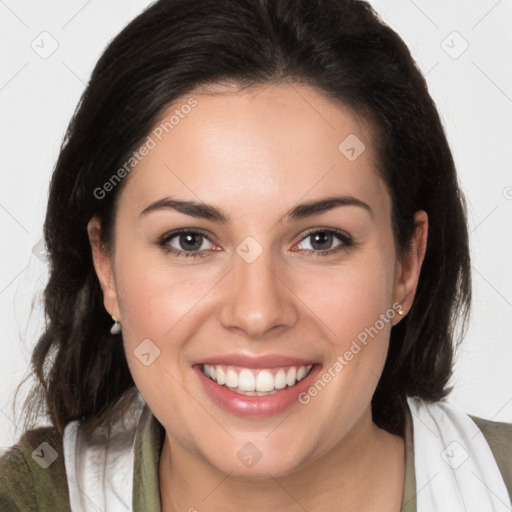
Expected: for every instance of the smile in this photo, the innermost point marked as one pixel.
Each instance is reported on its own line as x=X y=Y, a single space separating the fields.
x=255 y=386
x=256 y=382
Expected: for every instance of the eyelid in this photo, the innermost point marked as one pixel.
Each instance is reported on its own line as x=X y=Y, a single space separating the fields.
x=336 y=231
x=166 y=237
x=344 y=237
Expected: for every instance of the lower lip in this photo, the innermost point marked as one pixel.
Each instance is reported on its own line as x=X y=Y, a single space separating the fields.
x=255 y=406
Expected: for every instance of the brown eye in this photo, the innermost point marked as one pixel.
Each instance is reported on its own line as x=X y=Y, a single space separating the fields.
x=190 y=241
x=321 y=241
x=185 y=243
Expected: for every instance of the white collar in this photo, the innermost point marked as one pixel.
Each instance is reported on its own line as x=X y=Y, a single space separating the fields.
x=454 y=466
x=99 y=469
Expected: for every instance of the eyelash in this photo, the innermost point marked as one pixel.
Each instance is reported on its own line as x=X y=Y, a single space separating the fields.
x=347 y=243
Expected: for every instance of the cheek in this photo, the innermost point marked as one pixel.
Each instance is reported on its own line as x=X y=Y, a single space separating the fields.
x=348 y=299
x=155 y=296
x=354 y=304
x=349 y=303
x=159 y=308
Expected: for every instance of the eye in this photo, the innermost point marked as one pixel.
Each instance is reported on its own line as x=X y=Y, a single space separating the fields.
x=321 y=241
x=193 y=243
x=185 y=242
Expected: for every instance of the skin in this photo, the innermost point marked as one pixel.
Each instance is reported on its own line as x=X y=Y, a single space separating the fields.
x=256 y=154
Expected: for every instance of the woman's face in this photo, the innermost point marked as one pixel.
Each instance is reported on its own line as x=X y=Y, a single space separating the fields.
x=268 y=280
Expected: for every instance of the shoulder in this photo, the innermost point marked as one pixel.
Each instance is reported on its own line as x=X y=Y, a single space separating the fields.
x=499 y=438
x=32 y=473
x=498 y=435
x=498 y=431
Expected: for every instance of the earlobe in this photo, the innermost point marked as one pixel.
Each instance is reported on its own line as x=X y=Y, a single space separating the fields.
x=409 y=267
x=103 y=267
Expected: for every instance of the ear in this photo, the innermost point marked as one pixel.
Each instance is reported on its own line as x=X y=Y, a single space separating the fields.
x=409 y=266
x=103 y=265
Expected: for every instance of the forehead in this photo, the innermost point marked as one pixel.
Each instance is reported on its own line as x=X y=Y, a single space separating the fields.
x=267 y=147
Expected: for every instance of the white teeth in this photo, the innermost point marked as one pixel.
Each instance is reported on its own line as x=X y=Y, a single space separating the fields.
x=291 y=376
x=279 y=379
x=301 y=373
x=256 y=382
x=221 y=376
x=264 y=381
x=246 y=381
x=231 y=378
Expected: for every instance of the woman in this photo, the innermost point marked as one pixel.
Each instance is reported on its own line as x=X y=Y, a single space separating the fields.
x=258 y=254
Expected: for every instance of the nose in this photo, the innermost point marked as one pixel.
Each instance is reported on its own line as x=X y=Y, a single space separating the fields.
x=257 y=298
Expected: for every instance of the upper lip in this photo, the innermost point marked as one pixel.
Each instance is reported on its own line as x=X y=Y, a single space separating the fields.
x=255 y=362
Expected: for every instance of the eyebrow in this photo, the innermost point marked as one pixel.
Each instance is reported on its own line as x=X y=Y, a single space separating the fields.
x=209 y=212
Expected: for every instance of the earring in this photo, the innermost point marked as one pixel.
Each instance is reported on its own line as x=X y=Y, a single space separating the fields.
x=401 y=311
x=116 y=327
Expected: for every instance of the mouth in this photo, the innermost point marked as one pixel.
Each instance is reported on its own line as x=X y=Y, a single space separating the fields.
x=256 y=382
x=256 y=388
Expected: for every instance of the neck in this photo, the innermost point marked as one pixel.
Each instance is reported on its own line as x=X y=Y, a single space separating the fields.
x=363 y=471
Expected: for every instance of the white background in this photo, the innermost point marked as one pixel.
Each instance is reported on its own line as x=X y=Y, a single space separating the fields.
x=473 y=93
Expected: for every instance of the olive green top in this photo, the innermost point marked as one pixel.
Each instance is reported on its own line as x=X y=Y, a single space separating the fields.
x=26 y=486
